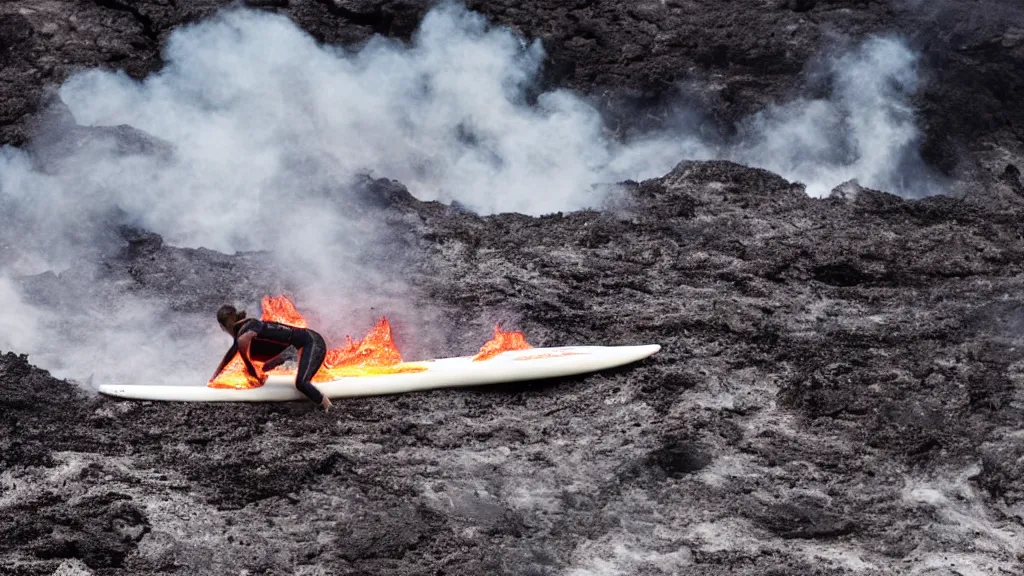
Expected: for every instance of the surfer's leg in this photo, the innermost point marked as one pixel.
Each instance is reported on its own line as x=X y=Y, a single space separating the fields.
x=311 y=357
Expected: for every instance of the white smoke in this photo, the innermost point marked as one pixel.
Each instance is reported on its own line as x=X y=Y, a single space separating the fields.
x=251 y=104
x=19 y=323
x=127 y=340
x=866 y=130
x=265 y=129
x=265 y=123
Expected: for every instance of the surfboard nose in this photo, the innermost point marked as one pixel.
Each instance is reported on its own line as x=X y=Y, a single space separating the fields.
x=649 y=349
x=629 y=354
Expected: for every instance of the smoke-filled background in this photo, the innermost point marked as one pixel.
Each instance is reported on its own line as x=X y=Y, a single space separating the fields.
x=253 y=135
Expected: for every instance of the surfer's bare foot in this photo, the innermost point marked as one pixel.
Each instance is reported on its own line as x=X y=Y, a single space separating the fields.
x=326 y=403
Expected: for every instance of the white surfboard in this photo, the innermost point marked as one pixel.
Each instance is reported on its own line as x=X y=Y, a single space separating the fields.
x=514 y=366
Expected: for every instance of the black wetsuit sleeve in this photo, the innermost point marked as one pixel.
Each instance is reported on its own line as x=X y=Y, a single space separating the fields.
x=248 y=363
x=275 y=361
x=248 y=325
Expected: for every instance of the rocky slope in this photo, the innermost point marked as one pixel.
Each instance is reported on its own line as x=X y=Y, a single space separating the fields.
x=839 y=393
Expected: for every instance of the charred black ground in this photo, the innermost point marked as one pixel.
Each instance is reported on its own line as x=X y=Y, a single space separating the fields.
x=839 y=392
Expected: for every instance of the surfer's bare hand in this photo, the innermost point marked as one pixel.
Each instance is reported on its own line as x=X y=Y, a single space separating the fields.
x=326 y=403
x=256 y=381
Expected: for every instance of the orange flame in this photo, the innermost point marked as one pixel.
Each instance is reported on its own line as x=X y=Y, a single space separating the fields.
x=233 y=376
x=376 y=349
x=280 y=309
x=375 y=354
x=502 y=342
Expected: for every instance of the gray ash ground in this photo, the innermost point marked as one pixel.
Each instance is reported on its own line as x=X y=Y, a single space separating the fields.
x=839 y=393
x=840 y=390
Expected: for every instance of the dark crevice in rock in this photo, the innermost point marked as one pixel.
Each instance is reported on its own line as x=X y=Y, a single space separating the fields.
x=841 y=274
x=379 y=20
x=804 y=520
x=145 y=21
x=678 y=459
x=268 y=3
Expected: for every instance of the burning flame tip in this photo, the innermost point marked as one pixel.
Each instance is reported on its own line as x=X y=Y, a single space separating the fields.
x=501 y=342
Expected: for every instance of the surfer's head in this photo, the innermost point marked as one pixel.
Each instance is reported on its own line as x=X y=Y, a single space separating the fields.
x=228 y=316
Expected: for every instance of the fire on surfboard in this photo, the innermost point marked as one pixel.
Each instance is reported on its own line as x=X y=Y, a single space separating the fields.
x=376 y=354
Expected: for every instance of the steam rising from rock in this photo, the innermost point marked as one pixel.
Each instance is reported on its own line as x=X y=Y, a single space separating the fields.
x=865 y=131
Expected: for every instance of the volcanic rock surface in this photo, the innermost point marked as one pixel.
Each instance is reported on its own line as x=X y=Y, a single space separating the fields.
x=840 y=390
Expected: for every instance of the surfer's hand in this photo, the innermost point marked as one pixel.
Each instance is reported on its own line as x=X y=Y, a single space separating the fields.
x=326 y=403
x=256 y=381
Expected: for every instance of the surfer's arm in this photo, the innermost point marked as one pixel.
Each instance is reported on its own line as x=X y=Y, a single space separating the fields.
x=276 y=361
x=243 y=348
x=227 y=358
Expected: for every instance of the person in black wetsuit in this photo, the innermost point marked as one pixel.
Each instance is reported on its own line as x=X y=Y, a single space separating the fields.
x=267 y=342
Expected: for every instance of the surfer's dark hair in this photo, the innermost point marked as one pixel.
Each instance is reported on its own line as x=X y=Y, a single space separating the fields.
x=228 y=312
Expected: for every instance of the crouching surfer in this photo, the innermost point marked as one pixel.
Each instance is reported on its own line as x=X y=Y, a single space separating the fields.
x=267 y=342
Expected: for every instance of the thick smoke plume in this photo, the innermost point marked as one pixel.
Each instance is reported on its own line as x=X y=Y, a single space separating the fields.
x=865 y=131
x=258 y=131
